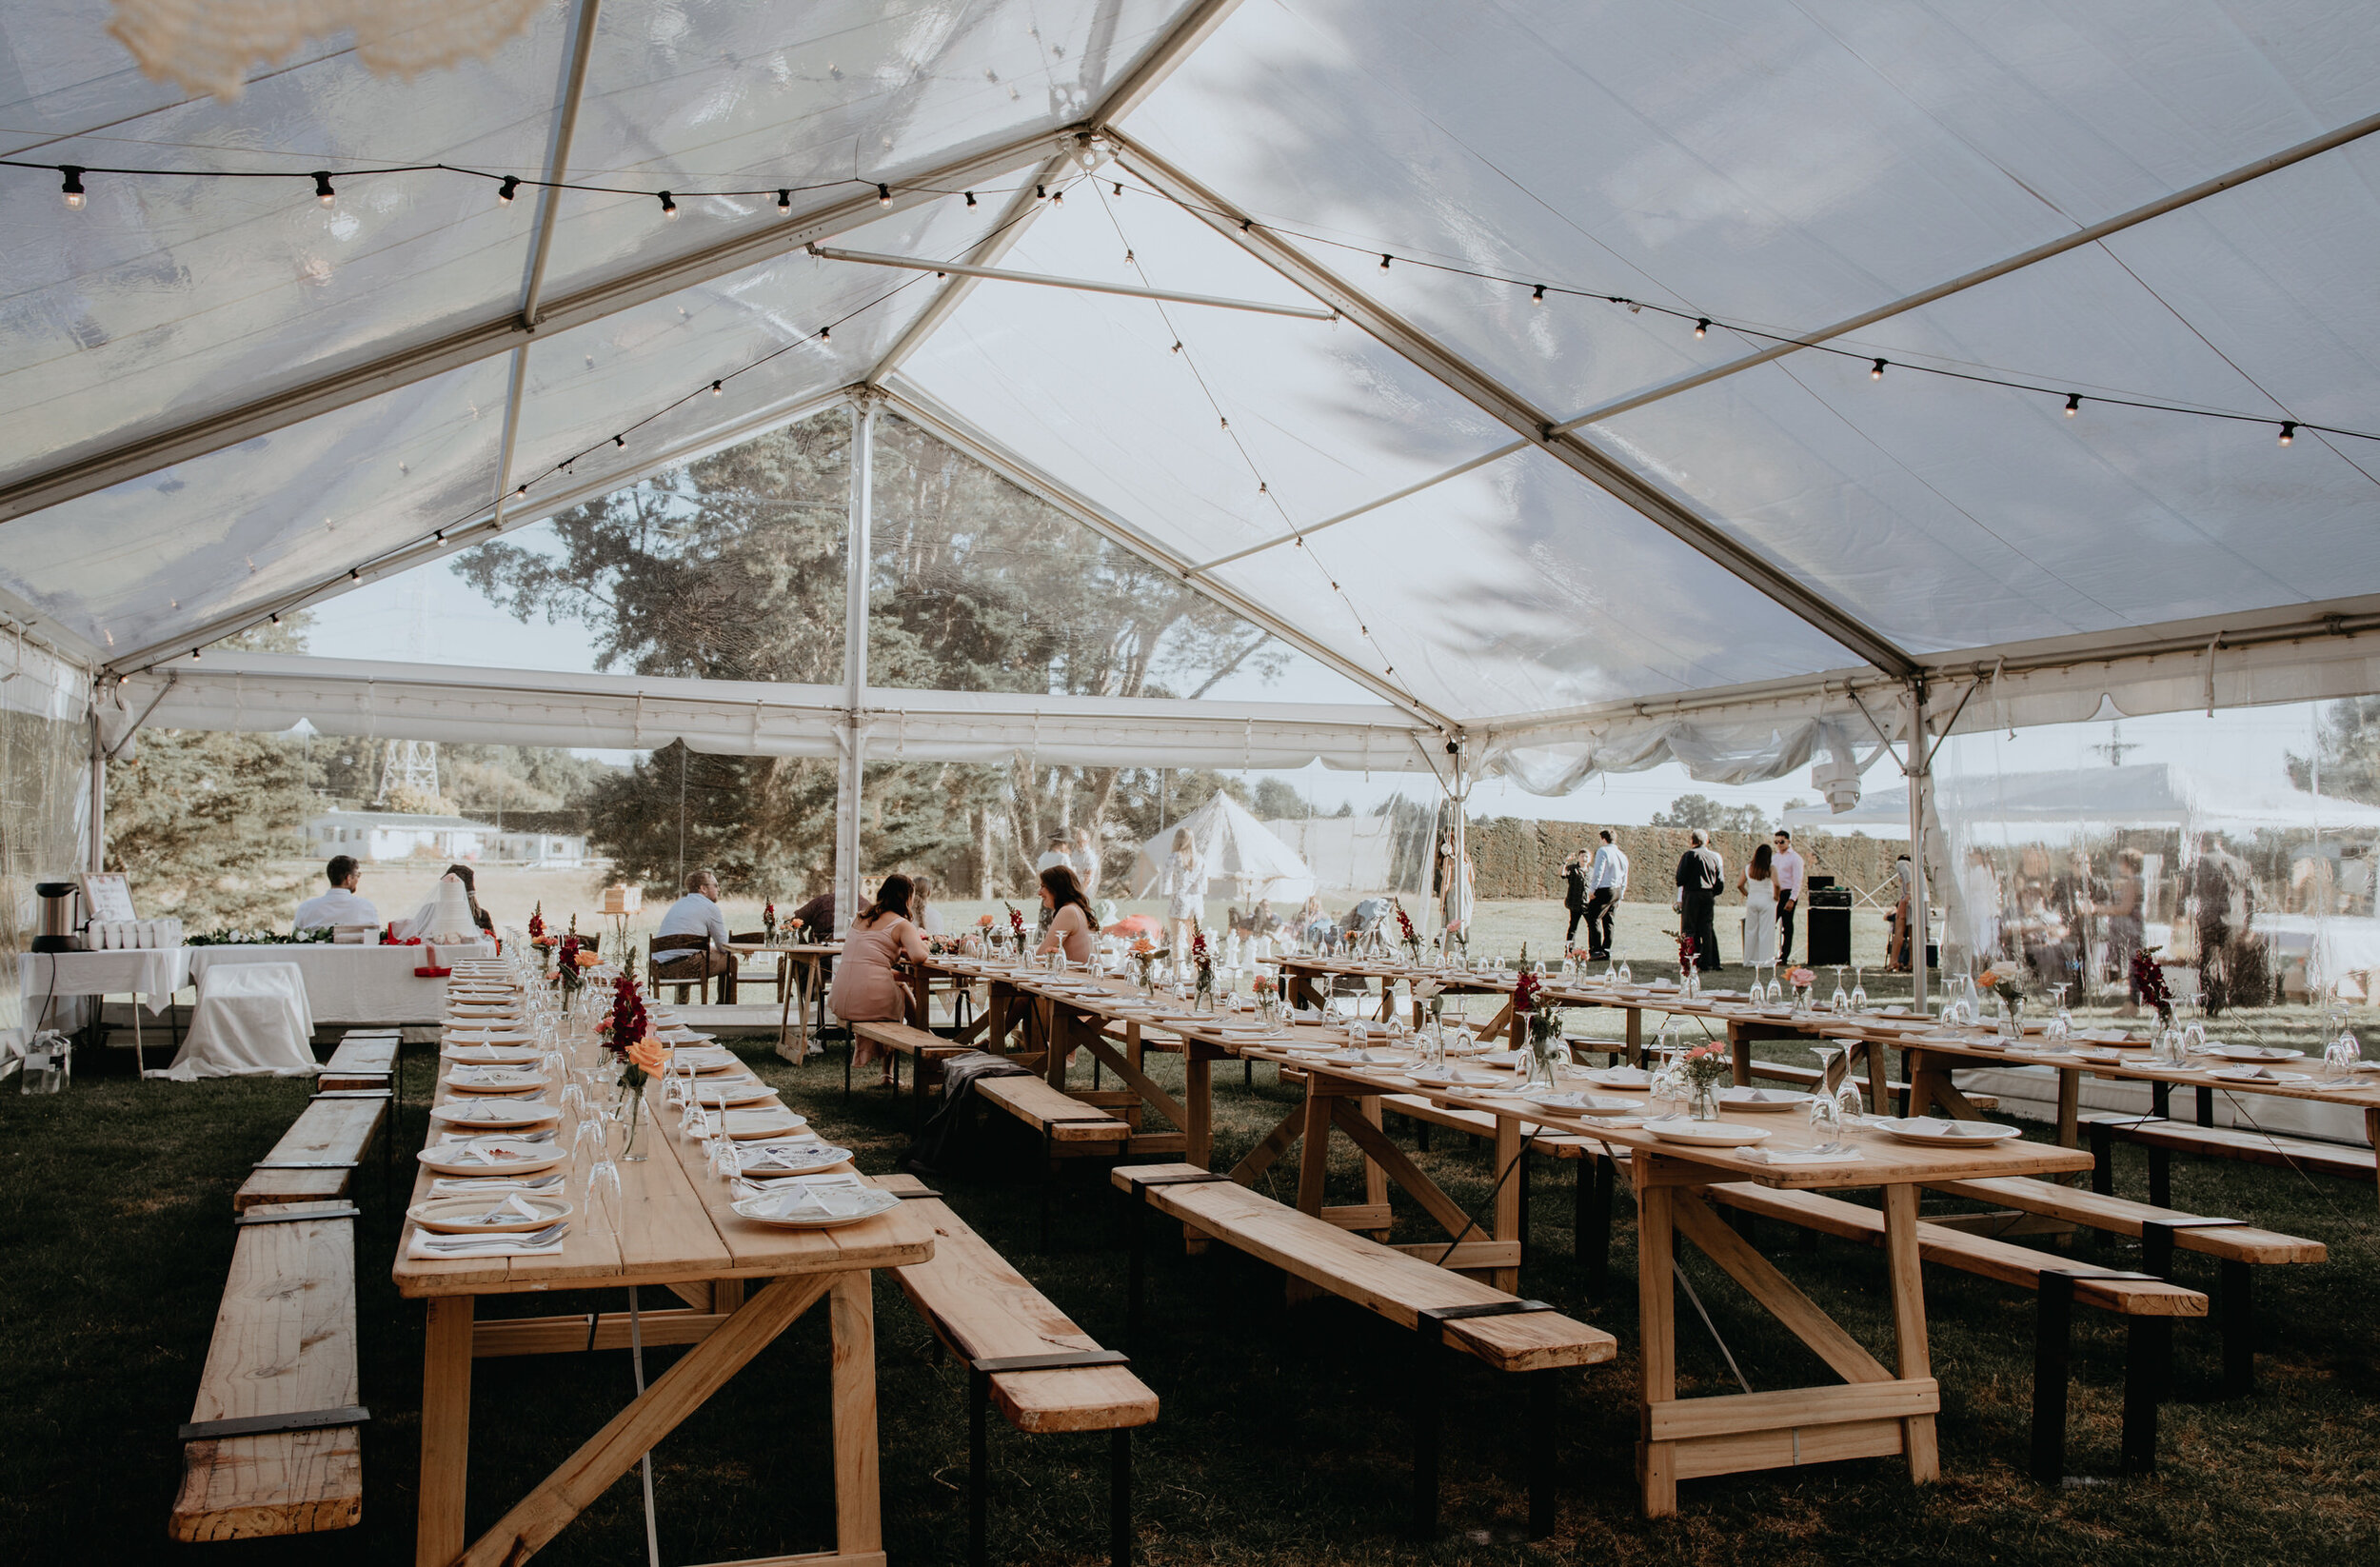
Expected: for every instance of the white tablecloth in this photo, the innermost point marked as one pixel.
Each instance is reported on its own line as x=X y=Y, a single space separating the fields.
x=345 y=984
x=152 y=973
x=250 y=1021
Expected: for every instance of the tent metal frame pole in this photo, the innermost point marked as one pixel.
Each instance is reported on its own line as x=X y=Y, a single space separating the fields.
x=948 y=427
x=98 y=853
x=768 y=240
x=1048 y=280
x=2022 y=259
x=1919 y=767
x=1476 y=387
x=850 y=788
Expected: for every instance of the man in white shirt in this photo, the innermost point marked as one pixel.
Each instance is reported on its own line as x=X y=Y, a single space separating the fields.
x=1054 y=854
x=1086 y=863
x=340 y=905
x=1788 y=868
x=697 y=930
x=1607 y=883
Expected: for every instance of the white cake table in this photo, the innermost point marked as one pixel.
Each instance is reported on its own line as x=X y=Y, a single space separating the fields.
x=251 y=1021
x=345 y=984
x=152 y=974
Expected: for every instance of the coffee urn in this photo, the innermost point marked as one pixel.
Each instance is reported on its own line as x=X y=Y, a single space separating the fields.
x=58 y=900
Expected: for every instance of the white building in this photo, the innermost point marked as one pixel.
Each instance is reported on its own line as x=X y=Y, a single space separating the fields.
x=375 y=836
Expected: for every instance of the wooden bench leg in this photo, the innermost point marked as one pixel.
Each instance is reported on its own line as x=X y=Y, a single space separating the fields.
x=2053 y=1315
x=1591 y=1220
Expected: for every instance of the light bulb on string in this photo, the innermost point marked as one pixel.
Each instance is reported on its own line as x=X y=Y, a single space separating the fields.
x=1383 y=261
x=1128 y=258
x=1537 y=295
x=826 y=335
x=970 y=198
x=2288 y=431
x=669 y=205
x=1175 y=348
x=439 y=537
x=72 y=185
x=884 y=196
x=785 y=202
x=619 y=440
x=1120 y=188
x=1058 y=198
x=1876 y=372
x=2073 y=404
x=322 y=188
x=1040 y=193
x=1702 y=326
x=505 y=191
x=518 y=493
x=356 y=574
x=717 y=390
x=274 y=617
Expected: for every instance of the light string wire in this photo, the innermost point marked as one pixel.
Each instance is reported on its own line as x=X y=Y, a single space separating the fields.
x=715 y=385
x=1542 y=290
x=1263 y=486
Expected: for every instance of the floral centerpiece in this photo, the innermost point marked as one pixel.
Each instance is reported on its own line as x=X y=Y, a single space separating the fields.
x=1267 y=997
x=627 y=1037
x=572 y=972
x=1144 y=955
x=1202 y=968
x=769 y=922
x=1802 y=980
x=1016 y=925
x=2148 y=981
x=1408 y=937
x=1542 y=1023
x=1688 y=974
x=2002 y=982
x=1705 y=1068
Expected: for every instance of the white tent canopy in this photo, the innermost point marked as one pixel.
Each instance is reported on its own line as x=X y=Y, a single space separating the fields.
x=1241 y=854
x=2148 y=795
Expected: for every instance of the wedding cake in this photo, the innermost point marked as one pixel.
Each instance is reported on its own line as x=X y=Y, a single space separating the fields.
x=451 y=920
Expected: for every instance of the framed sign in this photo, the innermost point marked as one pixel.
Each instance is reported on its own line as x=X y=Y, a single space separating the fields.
x=106 y=896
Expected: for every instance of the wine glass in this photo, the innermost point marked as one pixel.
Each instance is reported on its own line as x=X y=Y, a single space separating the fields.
x=1826 y=1123
x=1625 y=977
x=2341 y=1056
x=1840 y=1003
x=1858 y=990
x=2061 y=1025
x=2194 y=1031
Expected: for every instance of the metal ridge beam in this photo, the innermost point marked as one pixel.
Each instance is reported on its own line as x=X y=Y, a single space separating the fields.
x=768 y=239
x=1088 y=286
x=947 y=425
x=427 y=550
x=1479 y=389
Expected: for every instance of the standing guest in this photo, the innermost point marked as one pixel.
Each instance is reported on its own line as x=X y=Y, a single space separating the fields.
x=697 y=928
x=815 y=920
x=1700 y=875
x=1575 y=894
x=1896 y=938
x=1068 y=920
x=866 y=989
x=928 y=918
x=1758 y=885
x=341 y=906
x=1607 y=883
x=1182 y=882
x=2123 y=912
x=2074 y=898
x=1787 y=866
x=1460 y=889
x=1086 y=863
x=1053 y=853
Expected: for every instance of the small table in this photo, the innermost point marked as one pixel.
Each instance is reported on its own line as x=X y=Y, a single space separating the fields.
x=801 y=970
x=150 y=973
x=678 y=1231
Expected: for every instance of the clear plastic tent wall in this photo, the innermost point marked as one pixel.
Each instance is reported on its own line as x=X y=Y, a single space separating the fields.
x=1773 y=169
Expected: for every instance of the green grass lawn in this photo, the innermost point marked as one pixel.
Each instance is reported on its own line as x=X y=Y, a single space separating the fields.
x=1283 y=1436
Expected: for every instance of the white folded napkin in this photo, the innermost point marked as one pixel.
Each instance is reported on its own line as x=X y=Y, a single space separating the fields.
x=486 y=1185
x=1794 y=1155
x=421 y=1251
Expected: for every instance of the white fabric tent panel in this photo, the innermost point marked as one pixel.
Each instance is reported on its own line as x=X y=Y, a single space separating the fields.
x=720 y=92
x=164 y=298
x=273 y=515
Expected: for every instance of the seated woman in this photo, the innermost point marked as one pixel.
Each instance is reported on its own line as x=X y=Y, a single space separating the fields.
x=422 y=919
x=865 y=987
x=1070 y=927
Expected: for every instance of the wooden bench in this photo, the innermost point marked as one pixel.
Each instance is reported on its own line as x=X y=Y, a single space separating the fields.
x=2238 y=1248
x=365 y=1059
x=897 y=1040
x=272 y=1446
x=2164 y=1138
x=1068 y=1127
x=1443 y=1308
x=1024 y=1357
x=316 y=1158
x=2147 y=1304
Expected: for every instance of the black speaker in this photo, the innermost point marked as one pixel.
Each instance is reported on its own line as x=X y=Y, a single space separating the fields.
x=1826 y=915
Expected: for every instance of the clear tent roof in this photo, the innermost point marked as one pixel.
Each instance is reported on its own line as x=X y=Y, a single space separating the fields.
x=1779 y=166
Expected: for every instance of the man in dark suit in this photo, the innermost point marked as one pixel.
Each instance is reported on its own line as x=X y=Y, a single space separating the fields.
x=1575 y=897
x=1700 y=875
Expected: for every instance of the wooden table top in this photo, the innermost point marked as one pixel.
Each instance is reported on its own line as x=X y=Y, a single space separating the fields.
x=791 y=949
x=1884 y=1162
x=2134 y=1065
x=676 y=1225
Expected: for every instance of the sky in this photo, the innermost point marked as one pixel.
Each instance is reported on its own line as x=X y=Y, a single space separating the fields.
x=432 y=615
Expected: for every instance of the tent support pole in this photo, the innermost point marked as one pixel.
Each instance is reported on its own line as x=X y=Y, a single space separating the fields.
x=98 y=797
x=1920 y=768
x=856 y=551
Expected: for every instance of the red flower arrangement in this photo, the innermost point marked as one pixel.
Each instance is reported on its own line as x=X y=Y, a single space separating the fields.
x=1685 y=954
x=1404 y=927
x=628 y=1021
x=2149 y=980
x=537 y=921
x=568 y=959
x=1525 y=992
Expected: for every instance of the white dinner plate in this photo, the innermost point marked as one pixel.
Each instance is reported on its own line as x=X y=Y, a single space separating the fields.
x=770 y=1121
x=494 y=1080
x=1621 y=1076
x=2254 y=1051
x=1705 y=1134
x=704 y=1058
x=485 y=1055
x=1761 y=1100
x=492 y=1114
x=735 y=1091
x=483 y=1155
x=817 y=1202
x=495 y=1214
x=1586 y=1105
x=775 y=1159
x=1934 y=1132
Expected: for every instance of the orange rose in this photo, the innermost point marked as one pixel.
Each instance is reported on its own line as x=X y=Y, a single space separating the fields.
x=585 y=959
x=649 y=1055
x=982 y=920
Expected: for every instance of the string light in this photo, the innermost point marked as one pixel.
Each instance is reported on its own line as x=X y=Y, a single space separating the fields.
x=193 y=655
x=619 y=440
x=274 y=617
x=1119 y=190
x=1058 y=198
x=970 y=198
x=1383 y=261
x=72 y=187
x=2073 y=404
x=1702 y=326
x=2288 y=431
x=505 y=191
x=1177 y=347
x=322 y=188
x=356 y=574
x=826 y=335
x=518 y=493
x=717 y=390
x=784 y=201
x=1876 y=372
x=884 y=196
x=668 y=207
x=1040 y=193
x=1538 y=296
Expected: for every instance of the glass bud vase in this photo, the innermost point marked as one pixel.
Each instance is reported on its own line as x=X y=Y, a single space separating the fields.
x=632 y=1126
x=1703 y=1102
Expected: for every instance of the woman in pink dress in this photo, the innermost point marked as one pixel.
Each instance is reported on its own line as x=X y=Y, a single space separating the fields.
x=866 y=989
x=1069 y=927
